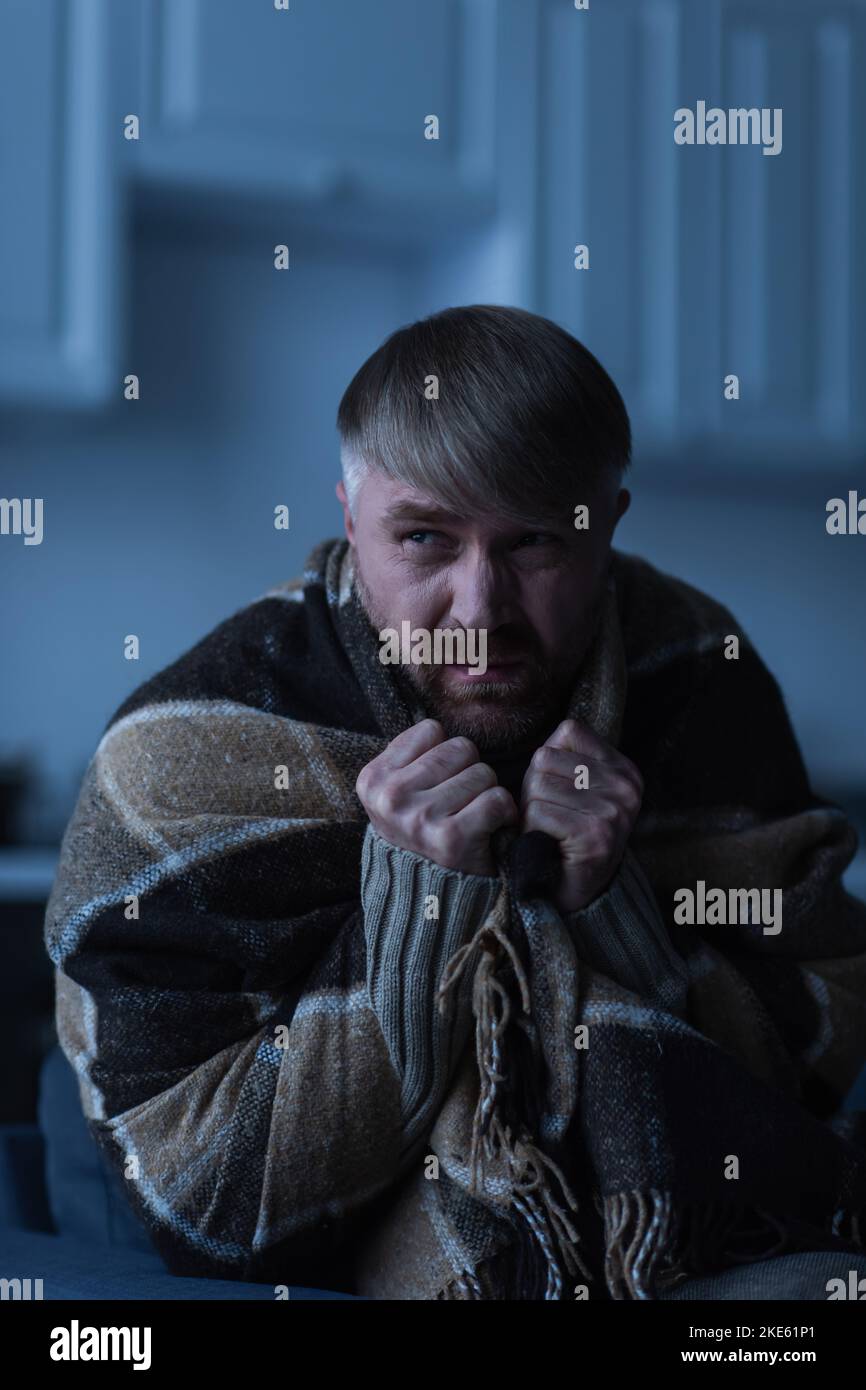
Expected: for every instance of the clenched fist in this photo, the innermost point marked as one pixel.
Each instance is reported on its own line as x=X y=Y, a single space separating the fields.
x=592 y=823
x=434 y=796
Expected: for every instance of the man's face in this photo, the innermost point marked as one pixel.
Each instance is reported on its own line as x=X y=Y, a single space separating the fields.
x=536 y=593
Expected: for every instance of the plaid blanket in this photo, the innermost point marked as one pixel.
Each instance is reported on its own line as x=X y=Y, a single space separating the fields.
x=209 y=946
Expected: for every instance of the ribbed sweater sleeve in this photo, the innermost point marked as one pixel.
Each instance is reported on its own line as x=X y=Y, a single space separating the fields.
x=408 y=947
x=623 y=934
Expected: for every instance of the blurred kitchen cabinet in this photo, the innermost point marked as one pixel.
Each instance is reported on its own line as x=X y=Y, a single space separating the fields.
x=324 y=102
x=59 y=243
x=708 y=261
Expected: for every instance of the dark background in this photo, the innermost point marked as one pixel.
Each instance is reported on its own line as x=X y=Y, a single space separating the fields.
x=306 y=127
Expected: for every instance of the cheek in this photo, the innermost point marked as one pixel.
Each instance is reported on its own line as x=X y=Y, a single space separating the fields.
x=559 y=610
x=404 y=595
x=425 y=596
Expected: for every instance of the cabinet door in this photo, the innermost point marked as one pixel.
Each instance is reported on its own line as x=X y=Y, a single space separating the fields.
x=712 y=260
x=59 y=228
x=791 y=295
x=326 y=97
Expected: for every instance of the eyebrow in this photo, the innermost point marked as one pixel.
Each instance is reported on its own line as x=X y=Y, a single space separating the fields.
x=413 y=511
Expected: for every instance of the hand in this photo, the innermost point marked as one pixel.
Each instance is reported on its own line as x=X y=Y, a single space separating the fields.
x=592 y=824
x=434 y=796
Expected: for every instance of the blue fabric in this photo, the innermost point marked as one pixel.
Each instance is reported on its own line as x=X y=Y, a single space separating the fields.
x=68 y=1269
x=803 y=1275
x=856 y=1097
x=23 y=1198
x=85 y=1195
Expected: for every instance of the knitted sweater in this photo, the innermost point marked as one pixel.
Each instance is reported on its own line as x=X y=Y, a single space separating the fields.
x=621 y=933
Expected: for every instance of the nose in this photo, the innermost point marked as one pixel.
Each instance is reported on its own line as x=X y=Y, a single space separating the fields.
x=482 y=592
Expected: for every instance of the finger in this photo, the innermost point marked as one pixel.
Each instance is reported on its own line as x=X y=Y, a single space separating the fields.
x=552 y=775
x=559 y=792
x=580 y=738
x=449 y=797
x=580 y=833
x=410 y=744
x=617 y=774
x=563 y=762
x=488 y=812
x=438 y=764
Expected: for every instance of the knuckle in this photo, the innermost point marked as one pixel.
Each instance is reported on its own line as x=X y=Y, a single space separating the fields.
x=633 y=797
x=600 y=839
x=483 y=774
x=488 y=799
x=500 y=798
x=386 y=799
x=416 y=822
x=534 y=778
x=632 y=773
x=428 y=728
x=464 y=746
x=441 y=764
x=628 y=793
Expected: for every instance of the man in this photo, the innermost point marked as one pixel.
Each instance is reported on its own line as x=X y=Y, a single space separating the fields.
x=374 y=976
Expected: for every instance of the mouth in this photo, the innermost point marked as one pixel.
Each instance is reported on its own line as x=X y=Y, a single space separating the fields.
x=494 y=671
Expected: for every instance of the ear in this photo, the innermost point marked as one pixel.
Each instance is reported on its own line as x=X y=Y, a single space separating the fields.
x=347 y=516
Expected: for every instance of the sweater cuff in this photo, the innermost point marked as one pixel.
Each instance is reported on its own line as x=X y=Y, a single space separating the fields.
x=416 y=915
x=623 y=935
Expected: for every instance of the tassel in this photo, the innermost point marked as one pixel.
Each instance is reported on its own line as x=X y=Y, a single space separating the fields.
x=464 y=1287
x=528 y=1167
x=644 y=1220
x=473 y=1286
x=650 y=1246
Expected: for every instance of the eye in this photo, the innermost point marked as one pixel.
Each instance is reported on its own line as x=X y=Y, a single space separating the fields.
x=411 y=536
x=539 y=537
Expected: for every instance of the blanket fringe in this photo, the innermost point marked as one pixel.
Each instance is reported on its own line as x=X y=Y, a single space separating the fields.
x=651 y=1245
x=533 y=1176
x=473 y=1286
x=651 y=1242
x=464 y=1286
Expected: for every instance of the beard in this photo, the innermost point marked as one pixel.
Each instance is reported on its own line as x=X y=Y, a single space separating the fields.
x=498 y=716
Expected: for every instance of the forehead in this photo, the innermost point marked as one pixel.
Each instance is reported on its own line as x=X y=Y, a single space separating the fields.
x=398 y=502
